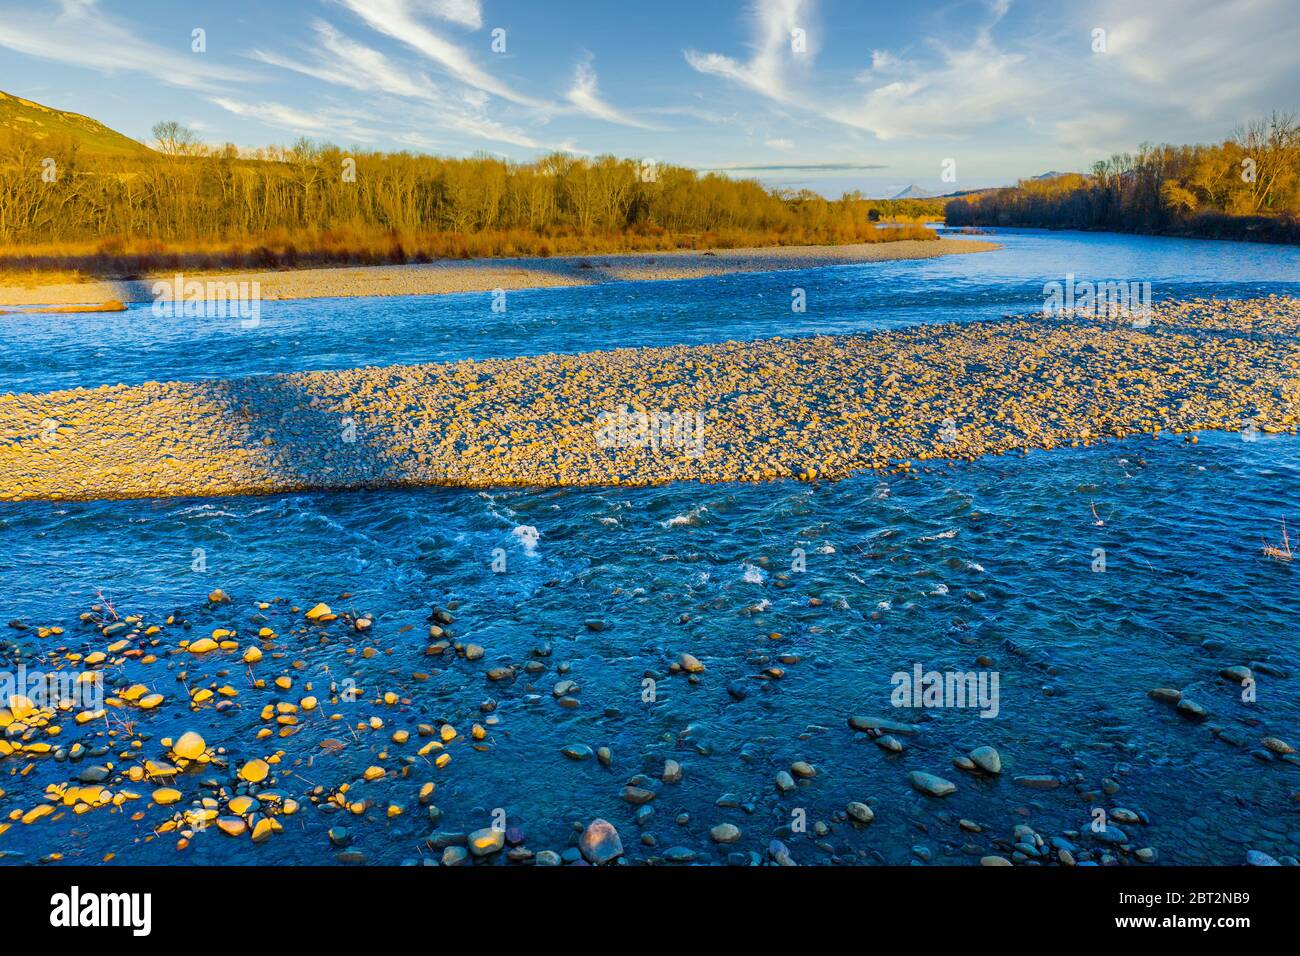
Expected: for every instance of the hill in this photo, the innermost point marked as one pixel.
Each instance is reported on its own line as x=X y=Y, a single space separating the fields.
x=26 y=119
x=914 y=192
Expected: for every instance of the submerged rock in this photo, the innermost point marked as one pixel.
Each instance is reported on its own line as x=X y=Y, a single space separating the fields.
x=930 y=784
x=860 y=812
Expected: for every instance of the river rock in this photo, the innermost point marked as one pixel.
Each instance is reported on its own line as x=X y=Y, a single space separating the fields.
x=987 y=759
x=600 y=843
x=637 y=795
x=725 y=833
x=860 y=812
x=690 y=663
x=884 y=725
x=487 y=841
x=931 y=785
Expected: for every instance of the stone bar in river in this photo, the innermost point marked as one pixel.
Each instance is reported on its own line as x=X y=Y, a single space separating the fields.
x=807 y=408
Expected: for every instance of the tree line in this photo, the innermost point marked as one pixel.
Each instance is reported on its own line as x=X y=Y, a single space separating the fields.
x=187 y=203
x=1247 y=187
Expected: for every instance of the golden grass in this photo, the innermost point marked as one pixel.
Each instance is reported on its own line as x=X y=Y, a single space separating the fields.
x=122 y=258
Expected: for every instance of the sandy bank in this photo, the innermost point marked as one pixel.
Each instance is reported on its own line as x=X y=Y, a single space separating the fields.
x=821 y=407
x=484 y=275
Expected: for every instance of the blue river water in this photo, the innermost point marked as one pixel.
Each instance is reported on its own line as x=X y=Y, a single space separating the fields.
x=991 y=566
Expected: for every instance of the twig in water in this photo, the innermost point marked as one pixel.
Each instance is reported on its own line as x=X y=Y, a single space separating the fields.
x=1279 y=554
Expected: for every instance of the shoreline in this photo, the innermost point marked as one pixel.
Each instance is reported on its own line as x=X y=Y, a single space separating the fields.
x=823 y=407
x=449 y=277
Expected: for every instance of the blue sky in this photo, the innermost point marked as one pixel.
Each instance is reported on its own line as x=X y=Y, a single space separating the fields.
x=829 y=94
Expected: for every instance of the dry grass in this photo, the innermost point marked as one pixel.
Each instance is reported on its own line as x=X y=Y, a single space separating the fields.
x=121 y=258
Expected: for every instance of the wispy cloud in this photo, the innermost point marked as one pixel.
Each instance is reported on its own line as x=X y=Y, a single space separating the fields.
x=345 y=62
x=1205 y=56
x=324 y=124
x=794 y=168
x=585 y=96
x=79 y=33
x=766 y=71
x=397 y=19
x=468 y=13
x=965 y=89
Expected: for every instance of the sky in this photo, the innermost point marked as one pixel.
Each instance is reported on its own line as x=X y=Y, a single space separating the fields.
x=830 y=95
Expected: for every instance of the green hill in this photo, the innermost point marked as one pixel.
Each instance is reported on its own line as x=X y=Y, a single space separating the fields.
x=25 y=118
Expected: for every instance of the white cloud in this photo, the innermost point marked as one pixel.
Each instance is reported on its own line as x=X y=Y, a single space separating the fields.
x=467 y=13
x=353 y=64
x=397 y=19
x=585 y=96
x=82 y=35
x=967 y=90
x=1206 y=56
x=286 y=117
x=343 y=61
x=765 y=71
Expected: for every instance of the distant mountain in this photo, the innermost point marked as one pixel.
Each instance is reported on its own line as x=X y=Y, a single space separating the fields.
x=913 y=192
x=39 y=122
x=1042 y=177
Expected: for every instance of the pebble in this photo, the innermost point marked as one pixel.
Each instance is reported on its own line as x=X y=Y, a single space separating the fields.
x=637 y=795
x=930 y=784
x=987 y=759
x=860 y=812
x=577 y=752
x=890 y=743
x=1038 y=781
x=487 y=841
x=600 y=843
x=725 y=833
x=884 y=725
x=690 y=663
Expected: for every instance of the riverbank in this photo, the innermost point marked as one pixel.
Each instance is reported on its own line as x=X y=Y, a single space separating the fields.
x=484 y=275
x=809 y=408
